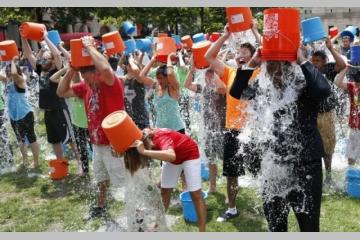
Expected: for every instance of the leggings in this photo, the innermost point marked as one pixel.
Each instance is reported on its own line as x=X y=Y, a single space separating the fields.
x=82 y=138
x=305 y=201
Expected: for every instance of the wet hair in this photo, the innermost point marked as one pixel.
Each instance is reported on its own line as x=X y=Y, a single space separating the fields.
x=134 y=160
x=113 y=61
x=354 y=73
x=320 y=54
x=248 y=45
x=87 y=69
x=162 y=70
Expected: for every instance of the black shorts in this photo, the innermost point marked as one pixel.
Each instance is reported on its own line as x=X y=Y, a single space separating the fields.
x=24 y=128
x=57 y=127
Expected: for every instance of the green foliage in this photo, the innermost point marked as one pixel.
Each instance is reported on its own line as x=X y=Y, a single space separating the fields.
x=14 y=15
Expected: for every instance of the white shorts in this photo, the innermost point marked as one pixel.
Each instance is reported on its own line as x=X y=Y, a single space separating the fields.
x=192 y=169
x=353 y=144
x=107 y=167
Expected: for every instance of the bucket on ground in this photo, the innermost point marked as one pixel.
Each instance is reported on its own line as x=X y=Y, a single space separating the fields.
x=164 y=47
x=130 y=46
x=121 y=131
x=281 y=37
x=350 y=32
x=113 y=43
x=144 y=45
x=239 y=18
x=188 y=207
x=199 y=50
x=333 y=31
x=80 y=57
x=128 y=28
x=8 y=50
x=199 y=37
x=59 y=169
x=204 y=171
x=214 y=36
x=54 y=37
x=313 y=30
x=32 y=31
x=187 y=42
x=353 y=182
x=355 y=54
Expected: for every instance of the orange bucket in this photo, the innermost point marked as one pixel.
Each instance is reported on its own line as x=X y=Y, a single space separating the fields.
x=164 y=47
x=59 y=169
x=187 y=41
x=8 y=50
x=281 y=37
x=239 y=18
x=113 y=43
x=199 y=49
x=163 y=35
x=79 y=55
x=121 y=130
x=32 y=31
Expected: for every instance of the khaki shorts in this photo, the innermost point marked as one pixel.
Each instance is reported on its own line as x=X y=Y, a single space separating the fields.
x=326 y=126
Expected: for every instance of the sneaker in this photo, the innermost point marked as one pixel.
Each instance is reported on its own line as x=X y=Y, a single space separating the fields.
x=226 y=216
x=96 y=212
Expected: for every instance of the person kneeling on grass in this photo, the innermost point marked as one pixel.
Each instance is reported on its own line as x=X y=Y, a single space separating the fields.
x=180 y=153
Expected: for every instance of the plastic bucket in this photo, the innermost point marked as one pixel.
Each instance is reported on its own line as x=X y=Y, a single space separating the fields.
x=113 y=43
x=204 y=172
x=164 y=47
x=188 y=206
x=59 y=169
x=130 y=46
x=199 y=49
x=214 y=36
x=163 y=35
x=355 y=54
x=350 y=31
x=54 y=37
x=177 y=41
x=121 y=130
x=128 y=28
x=199 y=37
x=8 y=50
x=333 y=31
x=144 y=44
x=313 y=30
x=187 y=42
x=353 y=182
x=32 y=31
x=281 y=37
x=239 y=18
x=79 y=54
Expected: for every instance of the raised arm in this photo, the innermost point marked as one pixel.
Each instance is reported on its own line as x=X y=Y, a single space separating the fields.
x=173 y=82
x=255 y=31
x=340 y=63
x=66 y=53
x=163 y=155
x=340 y=79
x=56 y=76
x=100 y=62
x=64 y=89
x=144 y=72
x=54 y=51
x=18 y=78
x=28 y=53
x=213 y=51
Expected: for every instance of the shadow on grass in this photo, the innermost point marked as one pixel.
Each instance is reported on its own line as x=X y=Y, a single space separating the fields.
x=22 y=178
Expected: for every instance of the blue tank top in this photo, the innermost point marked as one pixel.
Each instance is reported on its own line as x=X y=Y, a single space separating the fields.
x=168 y=113
x=17 y=103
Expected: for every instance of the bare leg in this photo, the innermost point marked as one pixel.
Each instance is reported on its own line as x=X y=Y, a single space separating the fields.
x=23 y=150
x=58 y=150
x=35 y=148
x=232 y=190
x=200 y=208
x=166 y=196
x=213 y=175
x=103 y=187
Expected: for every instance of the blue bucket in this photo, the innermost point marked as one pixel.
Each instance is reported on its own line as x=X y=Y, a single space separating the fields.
x=313 y=30
x=54 y=37
x=128 y=28
x=199 y=37
x=188 y=206
x=130 y=46
x=355 y=54
x=350 y=31
x=176 y=38
x=144 y=44
x=353 y=182
x=204 y=172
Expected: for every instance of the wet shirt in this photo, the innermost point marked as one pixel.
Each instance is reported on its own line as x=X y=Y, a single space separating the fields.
x=185 y=148
x=346 y=52
x=214 y=110
x=331 y=101
x=48 y=99
x=135 y=102
x=99 y=103
x=354 y=116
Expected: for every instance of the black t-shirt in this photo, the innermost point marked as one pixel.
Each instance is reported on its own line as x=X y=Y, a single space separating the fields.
x=48 y=99
x=329 y=103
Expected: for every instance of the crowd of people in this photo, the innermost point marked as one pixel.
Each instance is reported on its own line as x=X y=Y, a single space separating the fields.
x=158 y=97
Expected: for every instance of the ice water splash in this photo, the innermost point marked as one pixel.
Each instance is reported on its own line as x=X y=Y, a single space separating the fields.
x=238 y=38
x=143 y=204
x=271 y=115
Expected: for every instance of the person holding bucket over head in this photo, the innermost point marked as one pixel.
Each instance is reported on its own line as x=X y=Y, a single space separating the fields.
x=233 y=163
x=56 y=114
x=179 y=153
x=20 y=111
x=327 y=115
x=103 y=93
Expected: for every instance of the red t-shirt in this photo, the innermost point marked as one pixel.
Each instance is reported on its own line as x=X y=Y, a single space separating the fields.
x=354 y=117
x=185 y=148
x=99 y=103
